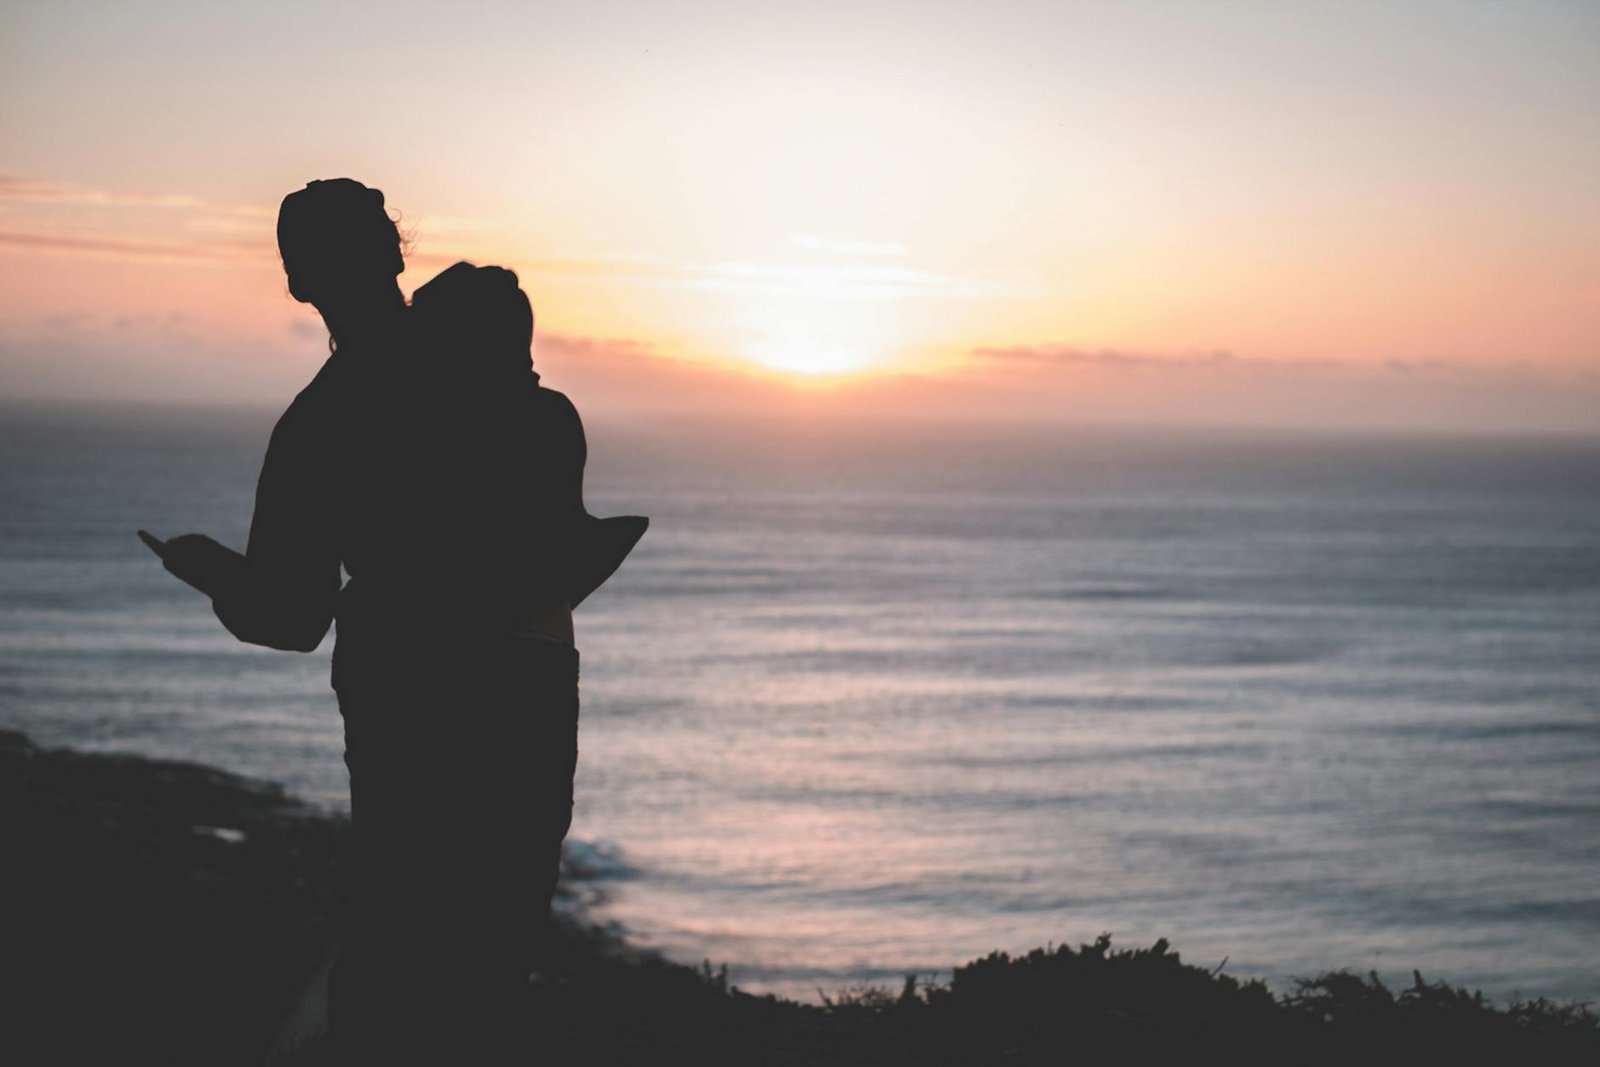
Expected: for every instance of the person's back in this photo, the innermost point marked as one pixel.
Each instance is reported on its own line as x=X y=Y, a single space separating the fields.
x=341 y=253
x=466 y=494
x=460 y=720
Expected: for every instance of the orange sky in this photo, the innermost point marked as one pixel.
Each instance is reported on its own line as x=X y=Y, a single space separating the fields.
x=1337 y=214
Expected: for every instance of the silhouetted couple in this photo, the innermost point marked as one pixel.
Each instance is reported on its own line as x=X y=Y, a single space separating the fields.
x=427 y=461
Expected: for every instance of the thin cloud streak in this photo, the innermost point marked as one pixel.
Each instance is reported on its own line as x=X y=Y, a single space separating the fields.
x=1059 y=354
x=61 y=219
x=1225 y=360
x=27 y=190
x=203 y=251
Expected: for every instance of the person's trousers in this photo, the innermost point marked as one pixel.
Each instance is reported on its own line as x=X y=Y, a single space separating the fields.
x=461 y=758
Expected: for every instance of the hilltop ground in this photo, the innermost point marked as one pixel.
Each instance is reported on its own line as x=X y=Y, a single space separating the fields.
x=167 y=913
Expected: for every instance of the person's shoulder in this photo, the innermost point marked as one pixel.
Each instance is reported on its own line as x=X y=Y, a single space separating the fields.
x=553 y=398
x=554 y=404
x=328 y=377
x=324 y=399
x=318 y=391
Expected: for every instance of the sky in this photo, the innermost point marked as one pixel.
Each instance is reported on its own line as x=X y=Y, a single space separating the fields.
x=1368 y=215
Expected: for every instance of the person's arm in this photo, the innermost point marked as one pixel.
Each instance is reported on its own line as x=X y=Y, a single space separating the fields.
x=282 y=592
x=198 y=560
x=569 y=452
x=593 y=548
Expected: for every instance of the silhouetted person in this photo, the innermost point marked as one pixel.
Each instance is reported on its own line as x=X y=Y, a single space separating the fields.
x=426 y=459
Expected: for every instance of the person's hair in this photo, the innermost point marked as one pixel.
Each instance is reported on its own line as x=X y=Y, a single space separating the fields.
x=336 y=238
x=481 y=310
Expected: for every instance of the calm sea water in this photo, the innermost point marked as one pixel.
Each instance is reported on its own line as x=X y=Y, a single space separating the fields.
x=871 y=700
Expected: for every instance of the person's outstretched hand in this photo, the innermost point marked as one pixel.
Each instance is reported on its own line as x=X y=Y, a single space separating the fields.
x=196 y=559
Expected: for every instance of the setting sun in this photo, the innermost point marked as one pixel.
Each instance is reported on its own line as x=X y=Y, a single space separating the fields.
x=843 y=329
x=801 y=358
x=797 y=349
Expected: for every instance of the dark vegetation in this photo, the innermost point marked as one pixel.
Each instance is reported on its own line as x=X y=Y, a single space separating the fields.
x=166 y=913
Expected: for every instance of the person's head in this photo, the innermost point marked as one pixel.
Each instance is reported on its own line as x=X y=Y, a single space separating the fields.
x=339 y=245
x=480 y=311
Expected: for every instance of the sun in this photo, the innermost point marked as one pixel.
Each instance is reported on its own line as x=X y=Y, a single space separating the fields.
x=808 y=357
x=815 y=345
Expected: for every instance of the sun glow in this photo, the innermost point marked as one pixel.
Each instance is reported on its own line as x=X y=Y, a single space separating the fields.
x=817 y=338
x=800 y=354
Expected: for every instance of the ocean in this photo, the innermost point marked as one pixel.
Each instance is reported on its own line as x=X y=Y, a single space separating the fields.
x=874 y=699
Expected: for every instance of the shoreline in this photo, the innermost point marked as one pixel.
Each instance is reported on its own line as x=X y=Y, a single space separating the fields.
x=167 y=911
